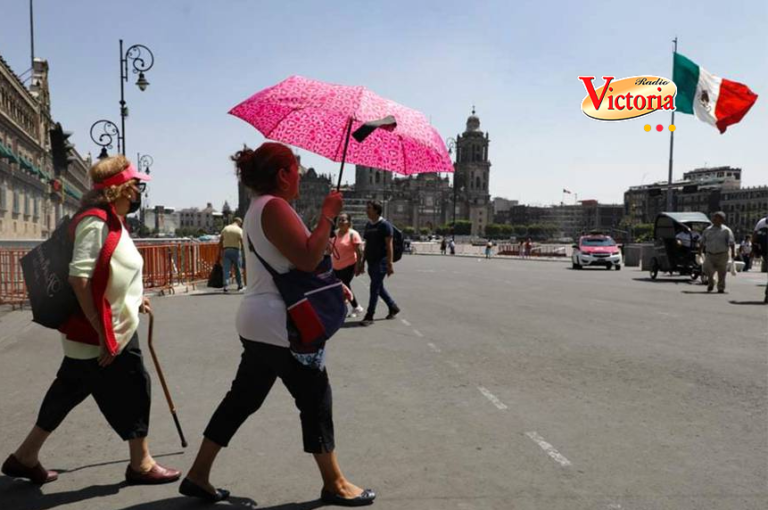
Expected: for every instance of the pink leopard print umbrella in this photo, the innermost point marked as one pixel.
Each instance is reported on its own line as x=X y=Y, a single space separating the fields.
x=315 y=116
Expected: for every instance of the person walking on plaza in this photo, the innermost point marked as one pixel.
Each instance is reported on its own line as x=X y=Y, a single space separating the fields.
x=347 y=251
x=745 y=253
x=279 y=236
x=231 y=244
x=452 y=247
x=102 y=357
x=443 y=246
x=716 y=241
x=379 y=254
x=489 y=249
x=528 y=248
x=760 y=246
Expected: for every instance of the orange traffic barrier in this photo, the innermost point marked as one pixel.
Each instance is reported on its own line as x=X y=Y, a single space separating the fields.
x=165 y=266
x=12 y=288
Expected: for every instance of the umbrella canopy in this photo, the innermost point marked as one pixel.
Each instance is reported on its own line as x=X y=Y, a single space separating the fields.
x=316 y=116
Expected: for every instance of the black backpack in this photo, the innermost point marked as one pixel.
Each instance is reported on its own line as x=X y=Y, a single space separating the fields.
x=398 y=244
x=760 y=244
x=46 y=275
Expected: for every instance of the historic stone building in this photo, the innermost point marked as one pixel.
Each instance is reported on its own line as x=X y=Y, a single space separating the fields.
x=34 y=196
x=698 y=191
x=744 y=208
x=313 y=188
x=426 y=201
x=201 y=219
x=422 y=201
x=472 y=176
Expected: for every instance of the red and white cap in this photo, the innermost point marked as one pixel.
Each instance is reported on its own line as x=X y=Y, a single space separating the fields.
x=126 y=175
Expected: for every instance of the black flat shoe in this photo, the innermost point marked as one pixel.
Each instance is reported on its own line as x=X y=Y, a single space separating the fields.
x=364 y=499
x=191 y=489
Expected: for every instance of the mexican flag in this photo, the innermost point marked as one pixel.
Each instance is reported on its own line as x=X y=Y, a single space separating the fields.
x=714 y=100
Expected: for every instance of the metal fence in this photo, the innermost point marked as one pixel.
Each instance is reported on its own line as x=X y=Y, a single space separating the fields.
x=166 y=266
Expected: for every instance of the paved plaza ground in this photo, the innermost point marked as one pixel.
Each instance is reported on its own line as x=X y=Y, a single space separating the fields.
x=504 y=384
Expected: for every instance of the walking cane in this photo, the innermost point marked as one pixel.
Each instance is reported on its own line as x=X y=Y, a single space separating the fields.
x=162 y=381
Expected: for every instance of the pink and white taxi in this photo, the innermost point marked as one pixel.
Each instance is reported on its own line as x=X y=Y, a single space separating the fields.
x=596 y=250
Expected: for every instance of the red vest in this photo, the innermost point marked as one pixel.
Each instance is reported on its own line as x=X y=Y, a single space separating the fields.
x=77 y=328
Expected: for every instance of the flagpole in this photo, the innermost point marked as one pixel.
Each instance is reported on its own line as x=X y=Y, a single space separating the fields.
x=671 y=143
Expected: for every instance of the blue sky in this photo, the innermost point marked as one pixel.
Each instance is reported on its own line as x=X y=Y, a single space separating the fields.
x=517 y=62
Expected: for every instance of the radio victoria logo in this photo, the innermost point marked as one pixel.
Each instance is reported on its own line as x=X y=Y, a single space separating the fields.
x=627 y=98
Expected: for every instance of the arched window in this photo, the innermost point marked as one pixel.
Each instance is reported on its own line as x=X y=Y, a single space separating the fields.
x=378 y=178
x=478 y=183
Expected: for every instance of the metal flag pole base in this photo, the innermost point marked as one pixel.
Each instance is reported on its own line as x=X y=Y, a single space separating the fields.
x=162 y=380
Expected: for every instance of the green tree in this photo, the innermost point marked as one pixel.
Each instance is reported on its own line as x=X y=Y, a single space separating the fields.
x=408 y=231
x=493 y=230
x=520 y=230
x=423 y=231
x=642 y=232
x=463 y=228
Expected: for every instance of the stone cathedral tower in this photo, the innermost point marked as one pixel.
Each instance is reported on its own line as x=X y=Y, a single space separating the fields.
x=472 y=176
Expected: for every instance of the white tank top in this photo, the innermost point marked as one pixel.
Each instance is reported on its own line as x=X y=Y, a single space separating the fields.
x=262 y=314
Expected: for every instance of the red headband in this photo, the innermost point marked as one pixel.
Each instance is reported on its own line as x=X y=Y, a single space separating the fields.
x=126 y=175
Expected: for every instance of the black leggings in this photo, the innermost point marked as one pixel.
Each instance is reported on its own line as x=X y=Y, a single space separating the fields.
x=346 y=275
x=122 y=391
x=260 y=365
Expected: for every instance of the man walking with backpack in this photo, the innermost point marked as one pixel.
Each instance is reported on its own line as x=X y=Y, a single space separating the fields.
x=380 y=256
x=760 y=246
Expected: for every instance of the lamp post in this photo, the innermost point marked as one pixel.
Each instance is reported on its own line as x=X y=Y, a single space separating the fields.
x=141 y=59
x=450 y=142
x=144 y=163
x=103 y=133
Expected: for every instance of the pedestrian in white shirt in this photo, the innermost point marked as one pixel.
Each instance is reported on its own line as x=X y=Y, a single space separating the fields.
x=716 y=241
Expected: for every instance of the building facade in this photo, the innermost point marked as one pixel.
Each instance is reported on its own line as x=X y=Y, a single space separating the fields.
x=744 y=208
x=698 y=191
x=313 y=188
x=34 y=195
x=206 y=220
x=161 y=220
x=705 y=190
x=426 y=201
x=472 y=176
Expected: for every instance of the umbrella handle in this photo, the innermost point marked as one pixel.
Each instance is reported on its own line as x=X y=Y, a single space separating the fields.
x=344 y=155
x=162 y=378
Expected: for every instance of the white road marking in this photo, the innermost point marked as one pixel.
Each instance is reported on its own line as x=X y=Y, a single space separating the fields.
x=490 y=396
x=557 y=456
x=434 y=347
x=418 y=333
x=405 y=322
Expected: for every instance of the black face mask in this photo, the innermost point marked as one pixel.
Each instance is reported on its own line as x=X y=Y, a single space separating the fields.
x=135 y=205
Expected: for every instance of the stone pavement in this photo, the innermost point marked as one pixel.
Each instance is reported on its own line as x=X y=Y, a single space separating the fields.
x=503 y=385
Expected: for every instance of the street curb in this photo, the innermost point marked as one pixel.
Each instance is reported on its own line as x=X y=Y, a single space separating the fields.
x=496 y=257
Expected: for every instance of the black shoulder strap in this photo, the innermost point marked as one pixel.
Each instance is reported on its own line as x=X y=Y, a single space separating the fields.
x=263 y=262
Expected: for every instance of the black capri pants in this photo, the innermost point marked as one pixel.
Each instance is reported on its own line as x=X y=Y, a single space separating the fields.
x=346 y=275
x=122 y=391
x=260 y=365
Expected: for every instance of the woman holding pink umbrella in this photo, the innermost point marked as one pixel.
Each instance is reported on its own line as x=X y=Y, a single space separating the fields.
x=278 y=235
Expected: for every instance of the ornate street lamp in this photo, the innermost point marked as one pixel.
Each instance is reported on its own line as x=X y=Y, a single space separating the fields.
x=141 y=59
x=103 y=132
x=450 y=142
x=144 y=163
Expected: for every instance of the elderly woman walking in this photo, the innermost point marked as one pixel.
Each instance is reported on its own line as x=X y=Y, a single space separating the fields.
x=274 y=231
x=102 y=357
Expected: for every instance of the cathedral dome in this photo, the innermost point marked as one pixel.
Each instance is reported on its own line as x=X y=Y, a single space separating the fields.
x=473 y=122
